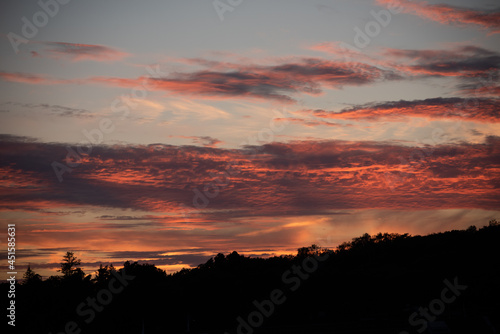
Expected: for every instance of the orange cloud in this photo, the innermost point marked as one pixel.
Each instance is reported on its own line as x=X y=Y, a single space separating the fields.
x=275 y=179
x=32 y=79
x=445 y=14
x=476 y=110
x=272 y=82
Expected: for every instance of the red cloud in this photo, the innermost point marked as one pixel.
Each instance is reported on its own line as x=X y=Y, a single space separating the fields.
x=272 y=82
x=33 y=79
x=299 y=178
x=446 y=14
x=476 y=110
x=485 y=90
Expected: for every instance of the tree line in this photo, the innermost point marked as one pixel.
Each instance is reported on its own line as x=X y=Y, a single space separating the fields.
x=372 y=283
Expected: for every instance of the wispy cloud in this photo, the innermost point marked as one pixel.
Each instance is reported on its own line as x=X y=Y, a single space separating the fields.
x=465 y=61
x=480 y=110
x=58 y=110
x=486 y=85
x=309 y=122
x=446 y=14
x=81 y=52
x=33 y=79
x=206 y=141
x=271 y=82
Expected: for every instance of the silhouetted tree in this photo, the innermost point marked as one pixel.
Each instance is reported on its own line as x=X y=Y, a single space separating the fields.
x=343 y=246
x=144 y=270
x=233 y=257
x=309 y=251
x=103 y=273
x=31 y=277
x=219 y=258
x=472 y=229
x=69 y=266
x=362 y=241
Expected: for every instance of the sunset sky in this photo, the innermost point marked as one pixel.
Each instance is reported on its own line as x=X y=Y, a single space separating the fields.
x=170 y=131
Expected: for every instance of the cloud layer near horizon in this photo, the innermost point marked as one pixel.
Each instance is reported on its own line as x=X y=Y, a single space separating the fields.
x=299 y=177
x=136 y=202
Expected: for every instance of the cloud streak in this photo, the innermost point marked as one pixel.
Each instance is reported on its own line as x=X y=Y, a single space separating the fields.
x=466 y=61
x=82 y=52
x=445 y=14
x=272 y=82
x=482 y=110
x=32 y=79
x=206 y=141
x=58 y=110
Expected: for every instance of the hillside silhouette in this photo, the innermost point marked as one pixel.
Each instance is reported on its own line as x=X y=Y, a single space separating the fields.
x=372 y=284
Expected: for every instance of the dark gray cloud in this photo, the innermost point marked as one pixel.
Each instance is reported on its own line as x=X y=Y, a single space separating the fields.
x=78 y=52
x=54 y=109
x=466 y=61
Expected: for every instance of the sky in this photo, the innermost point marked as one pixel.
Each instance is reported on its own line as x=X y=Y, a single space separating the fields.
x=169 y=131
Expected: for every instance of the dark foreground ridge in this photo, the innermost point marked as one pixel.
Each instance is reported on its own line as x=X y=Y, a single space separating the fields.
x=388 y=283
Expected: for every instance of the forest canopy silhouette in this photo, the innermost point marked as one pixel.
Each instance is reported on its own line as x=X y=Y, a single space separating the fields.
x=372 y=283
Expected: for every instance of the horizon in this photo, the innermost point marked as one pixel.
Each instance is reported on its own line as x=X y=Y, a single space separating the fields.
x=57 y=266
x=171 y=132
